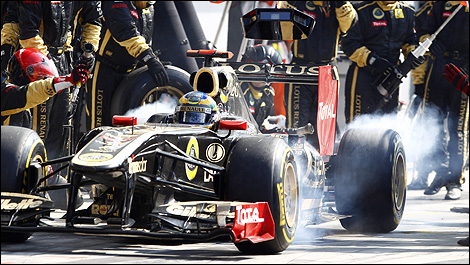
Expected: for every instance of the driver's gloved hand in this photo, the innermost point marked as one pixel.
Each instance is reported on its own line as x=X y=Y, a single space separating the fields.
x=155 y=67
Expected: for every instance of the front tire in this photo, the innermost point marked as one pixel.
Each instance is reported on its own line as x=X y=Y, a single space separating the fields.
x=20 y=148
x=370 y=180
x=268 y=174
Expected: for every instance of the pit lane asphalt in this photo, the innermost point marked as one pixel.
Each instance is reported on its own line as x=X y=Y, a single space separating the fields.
x=428 y=233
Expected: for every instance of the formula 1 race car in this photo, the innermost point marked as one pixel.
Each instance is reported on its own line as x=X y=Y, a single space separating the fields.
x=176 y=181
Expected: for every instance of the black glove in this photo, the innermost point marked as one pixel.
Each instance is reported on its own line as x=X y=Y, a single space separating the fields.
x=88 y=56
x=379 y=64
x=7 y=52
x=455 y=76
x=437 y=48
x=337 y=4
x=417 y=62
x=155 y=67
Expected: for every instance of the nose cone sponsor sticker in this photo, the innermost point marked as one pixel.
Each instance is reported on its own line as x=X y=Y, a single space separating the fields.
x=95 y=157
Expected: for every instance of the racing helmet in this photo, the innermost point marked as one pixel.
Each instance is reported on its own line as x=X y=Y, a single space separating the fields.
x=196 y=107
x=262 y=54
x=29 y=65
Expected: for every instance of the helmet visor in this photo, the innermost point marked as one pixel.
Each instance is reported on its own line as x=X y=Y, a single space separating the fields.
x=41 y=70
x=193 y=117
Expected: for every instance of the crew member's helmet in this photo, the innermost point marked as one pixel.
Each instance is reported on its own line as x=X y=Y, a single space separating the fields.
x=29 y=65
x=262 y=54
x=196 y=107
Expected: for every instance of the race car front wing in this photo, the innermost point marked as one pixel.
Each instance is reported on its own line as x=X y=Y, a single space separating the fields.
x=198 y=221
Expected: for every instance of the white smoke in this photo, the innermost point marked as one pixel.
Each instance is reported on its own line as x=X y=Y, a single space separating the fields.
x=419 y=133
x=165 y=104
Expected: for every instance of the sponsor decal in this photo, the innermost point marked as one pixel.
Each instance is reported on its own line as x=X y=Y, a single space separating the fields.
x=95 y=157
x=378 y=13
x=119 y=5
x=102 y=209
x=209 y=175
x=215 y=152
x=379 y=23
x=137 y=166
x=193 y=150
x=327 y=111
x=448 y=5
x=192 y=210
x=310 y=5
x=134 y=14
x=24 y=204
x=446 y=14
x=399 y=13
x=246 y=215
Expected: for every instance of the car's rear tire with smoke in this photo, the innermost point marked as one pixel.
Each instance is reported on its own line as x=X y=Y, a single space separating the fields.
x=20 y=148
x=370 y=180
x=268 y=174
x=138 y=89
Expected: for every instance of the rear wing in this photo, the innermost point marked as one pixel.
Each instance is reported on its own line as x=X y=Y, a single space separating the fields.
x=322 y=76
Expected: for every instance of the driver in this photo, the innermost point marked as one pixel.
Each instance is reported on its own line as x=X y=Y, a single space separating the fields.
x=197 y=107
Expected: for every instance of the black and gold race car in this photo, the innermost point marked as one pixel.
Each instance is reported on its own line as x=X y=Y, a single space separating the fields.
x=176 y=181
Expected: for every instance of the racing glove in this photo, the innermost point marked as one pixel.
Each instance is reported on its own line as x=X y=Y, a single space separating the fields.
x=437 y=48
x=7 y=52
x=78 y=74
x=88 y=56
x=155 y=67
x=417 y=62
x=456 y=77
x=379 y=65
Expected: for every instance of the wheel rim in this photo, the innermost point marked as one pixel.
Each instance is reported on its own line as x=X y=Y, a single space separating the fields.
x=290 y=195
x=166 y=93
x=399 y=183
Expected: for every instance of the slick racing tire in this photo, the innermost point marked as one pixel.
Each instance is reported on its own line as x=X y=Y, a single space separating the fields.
x=138 y=89
x=268 y=174
x=370 y=180
x=20 y=147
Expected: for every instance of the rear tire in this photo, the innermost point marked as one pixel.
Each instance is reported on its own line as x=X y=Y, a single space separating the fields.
x=268 y=174
x=138 y=89
x=370 y=180
x=20 y=147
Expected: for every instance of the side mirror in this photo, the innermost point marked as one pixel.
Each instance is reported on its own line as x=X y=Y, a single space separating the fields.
x=232 y=125
x=124 y=120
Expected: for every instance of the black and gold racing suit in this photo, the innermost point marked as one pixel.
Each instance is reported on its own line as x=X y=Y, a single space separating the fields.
x=451 y=154
x=127 y=32
x=384 y=30
x=16 y=100
x=321 y=48
x=46 y=26
x=260 y=101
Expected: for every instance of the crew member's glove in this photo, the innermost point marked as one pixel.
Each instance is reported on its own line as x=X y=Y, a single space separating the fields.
x=78 y=74
x=417 y=62
x=88 y=56
x=456 y=77
x=155 y=67
x=437 y=48
x=7 y=52
x=380 y=65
